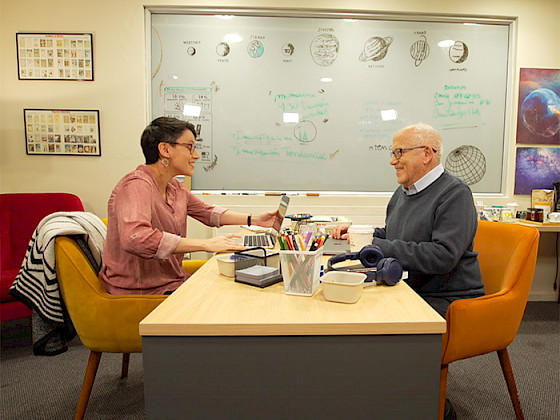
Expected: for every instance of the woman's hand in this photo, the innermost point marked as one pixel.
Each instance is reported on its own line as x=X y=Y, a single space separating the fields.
x=267 y=219
x=340 y=231
x=223 y=243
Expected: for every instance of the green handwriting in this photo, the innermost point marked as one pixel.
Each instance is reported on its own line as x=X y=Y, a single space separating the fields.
x=278 y=154
x=259 y=138
x=458 y=101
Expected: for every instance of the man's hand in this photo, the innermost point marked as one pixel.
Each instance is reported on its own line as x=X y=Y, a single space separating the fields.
x=340 y=232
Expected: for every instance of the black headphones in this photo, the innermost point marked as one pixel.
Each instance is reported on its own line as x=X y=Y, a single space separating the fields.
x=389 y=270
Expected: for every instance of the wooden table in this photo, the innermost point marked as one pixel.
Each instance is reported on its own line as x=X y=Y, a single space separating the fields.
x=220 y=349
x=542 y=227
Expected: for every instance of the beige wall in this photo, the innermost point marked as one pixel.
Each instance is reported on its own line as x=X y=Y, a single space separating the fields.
x=120 y=86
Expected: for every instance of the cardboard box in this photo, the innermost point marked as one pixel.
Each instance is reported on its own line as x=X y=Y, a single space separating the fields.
x=542 y=198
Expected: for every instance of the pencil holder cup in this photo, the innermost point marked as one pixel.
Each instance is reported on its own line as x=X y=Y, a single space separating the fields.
x=301 y=271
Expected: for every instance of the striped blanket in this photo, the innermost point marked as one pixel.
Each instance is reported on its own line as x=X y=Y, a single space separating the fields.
x=36 y=284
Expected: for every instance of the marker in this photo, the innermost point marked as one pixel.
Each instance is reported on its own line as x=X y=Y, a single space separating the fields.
x=312 y=194
x=272 y=193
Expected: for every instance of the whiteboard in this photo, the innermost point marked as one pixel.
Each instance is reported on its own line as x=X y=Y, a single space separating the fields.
x=284 y=103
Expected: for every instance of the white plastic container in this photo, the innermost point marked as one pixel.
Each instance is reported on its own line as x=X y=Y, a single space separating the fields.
x=343 y=286
x=226 y=265
x=360 y=236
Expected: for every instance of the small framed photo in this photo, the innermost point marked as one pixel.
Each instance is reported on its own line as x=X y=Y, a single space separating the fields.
x=49 y=56
x=62 y=132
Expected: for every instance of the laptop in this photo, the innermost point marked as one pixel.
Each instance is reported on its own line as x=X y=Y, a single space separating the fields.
x=336 y=246
x=267 y=240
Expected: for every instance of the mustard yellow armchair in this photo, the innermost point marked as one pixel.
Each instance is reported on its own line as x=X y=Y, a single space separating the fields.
x=507 y=256
x=104 y=322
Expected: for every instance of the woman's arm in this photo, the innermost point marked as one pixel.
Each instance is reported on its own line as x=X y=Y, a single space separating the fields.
x=217 y=244
x=265 y=219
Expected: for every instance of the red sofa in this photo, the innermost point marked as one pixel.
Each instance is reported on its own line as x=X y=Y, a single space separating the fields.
x=20 y=215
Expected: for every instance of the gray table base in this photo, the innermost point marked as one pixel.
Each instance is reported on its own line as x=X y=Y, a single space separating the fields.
x=292 y=377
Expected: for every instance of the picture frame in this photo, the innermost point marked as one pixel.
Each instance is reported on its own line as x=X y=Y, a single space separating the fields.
x=55 y=56
x=66 y=132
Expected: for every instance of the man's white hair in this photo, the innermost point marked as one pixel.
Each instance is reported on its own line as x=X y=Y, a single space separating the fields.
x=426 y=135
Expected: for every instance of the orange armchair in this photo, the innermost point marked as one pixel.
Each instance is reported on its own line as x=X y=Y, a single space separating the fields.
x=507 y=256
x=104 y=322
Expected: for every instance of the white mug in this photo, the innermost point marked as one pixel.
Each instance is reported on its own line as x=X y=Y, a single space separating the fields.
x=360 y=236
x=554 y=217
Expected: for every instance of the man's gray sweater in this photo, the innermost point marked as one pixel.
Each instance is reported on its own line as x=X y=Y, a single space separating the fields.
x=431 y=233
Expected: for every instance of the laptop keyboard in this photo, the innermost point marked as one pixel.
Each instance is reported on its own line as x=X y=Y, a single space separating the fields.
x=257 y=240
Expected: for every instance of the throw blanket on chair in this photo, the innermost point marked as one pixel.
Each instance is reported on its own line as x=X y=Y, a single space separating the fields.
x=37 y=286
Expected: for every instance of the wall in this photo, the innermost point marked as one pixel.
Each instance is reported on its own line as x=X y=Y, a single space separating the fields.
x=120 y=86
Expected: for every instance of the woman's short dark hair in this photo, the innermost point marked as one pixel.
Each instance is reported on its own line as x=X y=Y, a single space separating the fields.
x=162 y=130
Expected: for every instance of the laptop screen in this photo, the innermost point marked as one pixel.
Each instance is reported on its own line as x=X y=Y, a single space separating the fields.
x=284 y=201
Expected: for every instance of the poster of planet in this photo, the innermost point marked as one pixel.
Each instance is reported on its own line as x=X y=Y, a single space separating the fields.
x=538 y=119
x=536 y=168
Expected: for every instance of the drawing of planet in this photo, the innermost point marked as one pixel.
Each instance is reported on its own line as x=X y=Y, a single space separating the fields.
x=541 y=112
x=420 y=50
x=288 y=49
x=375 y=48
x=255 y=48
x=324 y=49
x=458 y=52
x=467 y=163
x=222 y=49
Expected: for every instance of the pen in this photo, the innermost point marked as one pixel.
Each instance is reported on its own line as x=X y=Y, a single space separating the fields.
x=290 y=243
x=300 y=242
x=294 y=241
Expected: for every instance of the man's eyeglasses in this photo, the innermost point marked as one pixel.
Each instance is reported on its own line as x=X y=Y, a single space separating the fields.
x=399 y=152
x=190 y=146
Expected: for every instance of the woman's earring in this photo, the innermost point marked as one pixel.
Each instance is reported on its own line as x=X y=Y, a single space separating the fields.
x=165 y=162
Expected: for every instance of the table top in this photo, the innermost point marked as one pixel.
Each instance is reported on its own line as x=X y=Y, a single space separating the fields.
x=542 y=227
x=209 y=304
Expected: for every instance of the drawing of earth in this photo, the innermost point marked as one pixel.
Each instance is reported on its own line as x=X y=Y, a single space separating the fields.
x=255 y=48
x=540 y=112
x=459 y=52
x=467 y=163
x=375 y=48
x=324 y=49
x=222 y=49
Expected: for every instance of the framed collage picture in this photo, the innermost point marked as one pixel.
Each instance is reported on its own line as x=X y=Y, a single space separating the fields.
x=52 y=56
x=62 y=132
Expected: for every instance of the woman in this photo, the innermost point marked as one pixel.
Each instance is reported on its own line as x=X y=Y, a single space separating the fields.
x=147 y=216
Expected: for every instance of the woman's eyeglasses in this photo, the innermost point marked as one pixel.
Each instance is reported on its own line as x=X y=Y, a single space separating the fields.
x=190 y=146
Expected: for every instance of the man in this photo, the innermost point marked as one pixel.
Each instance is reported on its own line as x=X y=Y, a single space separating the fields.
x=430 y=222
